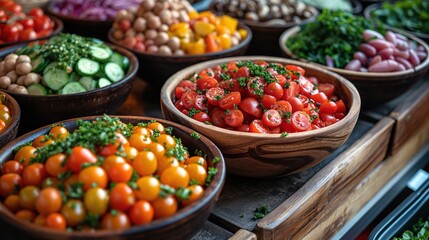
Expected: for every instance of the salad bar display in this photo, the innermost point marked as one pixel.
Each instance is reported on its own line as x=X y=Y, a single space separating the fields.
x=306 y=143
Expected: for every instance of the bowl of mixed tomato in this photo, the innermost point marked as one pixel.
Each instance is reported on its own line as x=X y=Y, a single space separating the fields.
x=10 y=115
x=19 y=27
x=67 y=76
x=269 y=116
x=109 y=178
x=169 y=36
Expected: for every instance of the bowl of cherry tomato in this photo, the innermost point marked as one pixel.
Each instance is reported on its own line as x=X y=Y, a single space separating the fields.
x=10 y=115
x=269 y=116
x=18 y=27
x=109 y=178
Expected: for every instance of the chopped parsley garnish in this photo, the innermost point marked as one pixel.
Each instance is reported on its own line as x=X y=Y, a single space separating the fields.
x=224 y=76
x=284 y=134
x=257 y=71
x=260 y=212
x=192 y=112
x=195 y=135
x=211 y=173
x=216 y=160
x=183 y=193
x=166 y=190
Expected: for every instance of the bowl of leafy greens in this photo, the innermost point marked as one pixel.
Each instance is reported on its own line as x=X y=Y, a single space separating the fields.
x=375 y=59
x=409 y=15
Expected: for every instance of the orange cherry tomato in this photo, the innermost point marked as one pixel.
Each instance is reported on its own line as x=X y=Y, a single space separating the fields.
x=120 y=172
x=197 y=173
x=12 y=203
x=78 y=157
x=140 y=141
x=116 y=221
x=25 y=154
x=42 y=141
x=156 y=126
x=121 y=197
x=93 y=176
x=49 y=201
x=110 y=161
x=59 y=132
x=25 y=215
x=12 y=167
x=196 y=192
x=175 y=177
x=34 y=174
x=198 y=160
x=164 y=207
x=55 y=164
x=56 y=221
x=148 y=188
x=145 y=163
x=141 y=213
x=10 y=183
x=28 y=196
x=166 y=162
x=111 y=149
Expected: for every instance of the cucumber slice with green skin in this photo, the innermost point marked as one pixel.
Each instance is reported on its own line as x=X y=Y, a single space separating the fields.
x=49 y=67
x=56 y=78
x=103 y=82
x=114 y=72
x=118 y=59
x=87 y=67
x=126 y=63
x=39 y=64
x=73 y=87
x=88 y=83
x=36 y=89
x=100 y=54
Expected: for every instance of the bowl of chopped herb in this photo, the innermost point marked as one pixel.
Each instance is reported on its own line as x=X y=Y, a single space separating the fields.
x=73 y=76
x=262 y=133
x=152 y=202
x=381 y=63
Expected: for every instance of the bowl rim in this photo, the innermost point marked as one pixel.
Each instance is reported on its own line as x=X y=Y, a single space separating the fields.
x=16 y=110
x=354 y=101
x=189 y=57
x=264 y=25
x=132 y=71
x=380 y=76
x=156 y=224
x=52 y=12
x=57 y=30
x=367 y=14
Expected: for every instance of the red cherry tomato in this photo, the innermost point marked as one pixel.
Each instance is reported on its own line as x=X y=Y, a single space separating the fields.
x=296 y=103
x=319 y=97
x=328 y=107
x=251 y=106
x=214 y=95
x=10 y=33
x=41 y=23
x=257 y=127
x=35 y=12
x=326 y=88
x=341 y=107
x=242 y=72
x=200 y=102
x=296 y=71
x=27 y=23
x=206 y=83
x=188 y=99
x=202 y=117
x=27 y=34
x=267 y=101
x=307 y=88
x=234 y=118
x=217 y=117
x=255 y=87
x=274 y=89
x=283 y=107
x=300 y=121
x=272 y=118
x=292 y=90
x=230 y=100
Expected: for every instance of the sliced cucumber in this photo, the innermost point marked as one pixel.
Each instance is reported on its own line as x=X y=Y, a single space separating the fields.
x=102 y=82
x=56 y=78
x=87 y=67
x=49 y=67
x=100 y=54
x=126 y=63
x=73 y=87
x=118 y=59
x=88 y=83
x=114 y=72
x=37 y=89
x=39 y=64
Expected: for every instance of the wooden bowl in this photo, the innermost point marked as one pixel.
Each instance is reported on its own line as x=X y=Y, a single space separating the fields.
x=156 y=68
x=41 y=110
x=374 y=88
x=186 y=222
x=81 y=26
x=12 y=129
x=28 y=5
x=265 y=36
x=57 y=29
x=367 y=14
x=269 y=155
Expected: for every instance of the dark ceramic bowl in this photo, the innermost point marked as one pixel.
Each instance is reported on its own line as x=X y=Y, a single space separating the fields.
x=57 y=29
x=367 y=13
x=81 y=26
x=182 y=225
x=265 y=36
x=270 y=155
x=156 y=68
x=41 y=110
x=374 y=88
x=366 y=3
x=12 y=129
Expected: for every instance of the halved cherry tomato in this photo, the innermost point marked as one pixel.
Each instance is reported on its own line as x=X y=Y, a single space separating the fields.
x=300 y=121
x=234 y=118
x=326 y=88
x=230 y=100
x=242 y=72
x=296 y=71
x=206 y=83
x=202 y=117
x=200 y=102
x=272 y=118
x=188 y=99
x=292 y=90
x=257 y=127
x=214 y=95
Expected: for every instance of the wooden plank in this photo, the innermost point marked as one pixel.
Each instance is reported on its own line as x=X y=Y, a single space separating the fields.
x=211 y=231
x=243 y=235
x=309 y=206
x=409 y=115
x=241 y=196
x=371 y=185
